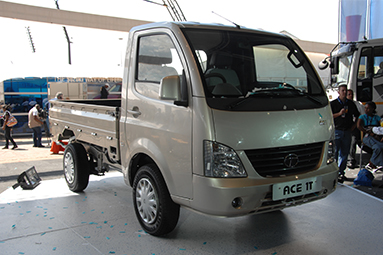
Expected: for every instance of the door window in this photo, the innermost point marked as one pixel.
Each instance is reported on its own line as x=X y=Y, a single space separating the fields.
x=157 y=58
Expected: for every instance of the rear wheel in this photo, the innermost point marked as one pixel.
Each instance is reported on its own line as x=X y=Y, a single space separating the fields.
x=155 y=210
x=76 y=167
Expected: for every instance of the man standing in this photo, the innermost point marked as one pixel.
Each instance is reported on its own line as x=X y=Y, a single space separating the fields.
x=355 y=138
x=35 y=123
x=104 y=91
x=344 y=111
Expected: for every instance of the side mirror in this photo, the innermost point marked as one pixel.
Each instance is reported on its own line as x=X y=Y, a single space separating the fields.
x=323 y=64
x=170 y=88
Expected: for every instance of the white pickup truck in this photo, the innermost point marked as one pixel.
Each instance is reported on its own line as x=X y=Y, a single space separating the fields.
x=224 y=120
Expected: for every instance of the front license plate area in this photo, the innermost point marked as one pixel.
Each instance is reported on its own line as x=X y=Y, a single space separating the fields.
x=296 y=188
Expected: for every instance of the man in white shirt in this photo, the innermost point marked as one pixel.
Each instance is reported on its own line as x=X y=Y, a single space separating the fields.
x=35 y=123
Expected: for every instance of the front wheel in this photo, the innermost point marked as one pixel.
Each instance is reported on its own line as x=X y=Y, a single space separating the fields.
x=155 y=210
x=76 y=167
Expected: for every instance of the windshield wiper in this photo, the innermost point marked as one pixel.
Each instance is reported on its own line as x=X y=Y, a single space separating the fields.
x=268 y=92
x=302 y=93
x=243 y=99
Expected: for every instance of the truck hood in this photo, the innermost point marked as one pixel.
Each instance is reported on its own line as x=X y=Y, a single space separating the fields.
x=253 y=130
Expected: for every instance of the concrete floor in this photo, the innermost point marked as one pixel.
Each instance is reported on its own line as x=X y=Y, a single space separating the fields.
x=52 y=220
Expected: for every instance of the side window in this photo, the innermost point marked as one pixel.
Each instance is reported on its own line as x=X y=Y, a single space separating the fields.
x=365 y=73
x=378 y=61
x=157 y=58
x=364 y=68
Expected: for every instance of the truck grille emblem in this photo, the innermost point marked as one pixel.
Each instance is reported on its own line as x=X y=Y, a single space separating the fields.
x=291 y=160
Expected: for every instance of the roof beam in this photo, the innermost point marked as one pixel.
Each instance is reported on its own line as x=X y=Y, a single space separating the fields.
x=78 y=19
x=68 y=18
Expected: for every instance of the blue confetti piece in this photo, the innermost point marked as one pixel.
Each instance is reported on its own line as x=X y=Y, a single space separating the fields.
x=28 y=211
x=14 y=225
x=21 y=253
x=83 y=212
x=182 y=249
x=2 y=242
x=92 y=210
x=99 y=227
x=139 y=235
x=37 y=215
x=275 y=253
x=51 y=218
x=126 y=224
x=112 y=252
x=122 y=232
x=102 y=212
x=86 y=236
x=43 y=233
x=320 y=115
x=50 y=228
x=82 y=222
x=21 y=214
x=105 y=222
x=255 y=247
x=54 y=248
x=204 y=242
x=111 y=226
x=93 y=222
x=107 y=238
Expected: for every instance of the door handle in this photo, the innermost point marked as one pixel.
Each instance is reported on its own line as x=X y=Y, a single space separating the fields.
x=135 y=112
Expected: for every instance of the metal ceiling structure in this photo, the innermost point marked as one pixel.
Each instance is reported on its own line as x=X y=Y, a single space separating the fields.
x=70 y=18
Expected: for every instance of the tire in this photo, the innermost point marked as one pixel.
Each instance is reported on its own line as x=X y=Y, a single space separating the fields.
x=76 y=167
x=155 y=210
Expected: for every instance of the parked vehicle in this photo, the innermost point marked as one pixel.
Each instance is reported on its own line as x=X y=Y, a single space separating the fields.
x=359 y=65
x=224 y=120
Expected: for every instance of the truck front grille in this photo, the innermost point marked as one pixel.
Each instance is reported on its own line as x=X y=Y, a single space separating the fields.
x=283 y=161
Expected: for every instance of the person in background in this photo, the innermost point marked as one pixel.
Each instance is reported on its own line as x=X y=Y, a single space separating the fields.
x=7 y=130
x=344 y=111
x=59 y=96
x=365 y=123
x=355 y=135
x=35 y=123
x=104 y=91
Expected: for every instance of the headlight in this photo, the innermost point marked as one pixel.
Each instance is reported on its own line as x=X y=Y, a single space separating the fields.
x=222 y=161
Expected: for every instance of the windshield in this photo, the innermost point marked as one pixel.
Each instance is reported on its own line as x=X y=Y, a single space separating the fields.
x=245 y=71
x=344 y=70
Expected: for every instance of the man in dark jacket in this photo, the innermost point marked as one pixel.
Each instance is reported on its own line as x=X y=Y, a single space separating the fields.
x=344 y=112
x=104 y=92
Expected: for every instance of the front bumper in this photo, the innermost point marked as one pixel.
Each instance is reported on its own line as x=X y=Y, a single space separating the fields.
x=219 y=196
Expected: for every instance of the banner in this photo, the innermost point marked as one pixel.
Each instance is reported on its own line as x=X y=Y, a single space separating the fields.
x=352 y=20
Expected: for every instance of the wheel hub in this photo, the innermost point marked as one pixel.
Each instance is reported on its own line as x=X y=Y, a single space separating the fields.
x=146 y=199
x=69 y=167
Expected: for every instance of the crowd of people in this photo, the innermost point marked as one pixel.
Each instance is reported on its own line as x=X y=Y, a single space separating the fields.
x=350 y=120
x=37 y=119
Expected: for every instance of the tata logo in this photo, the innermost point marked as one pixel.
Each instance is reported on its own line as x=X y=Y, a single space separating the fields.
x=291 y=160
